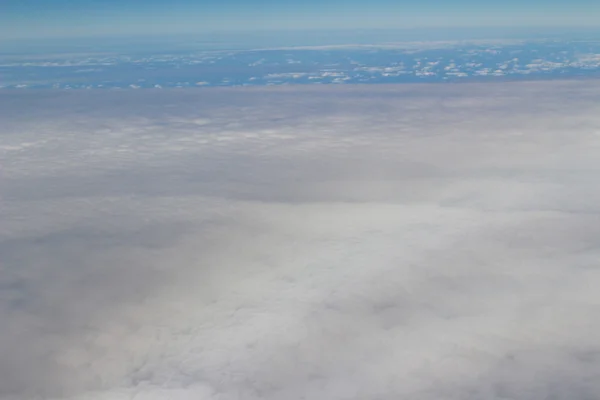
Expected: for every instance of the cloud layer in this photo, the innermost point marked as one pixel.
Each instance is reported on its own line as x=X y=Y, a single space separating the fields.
x=423 y=242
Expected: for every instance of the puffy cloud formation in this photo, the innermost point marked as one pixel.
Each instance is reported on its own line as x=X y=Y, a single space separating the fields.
x=403 y=242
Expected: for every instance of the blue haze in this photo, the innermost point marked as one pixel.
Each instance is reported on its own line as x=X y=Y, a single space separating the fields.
x=76 y=18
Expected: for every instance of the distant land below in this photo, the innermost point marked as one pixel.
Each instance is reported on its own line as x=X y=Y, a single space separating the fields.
x=411 y=61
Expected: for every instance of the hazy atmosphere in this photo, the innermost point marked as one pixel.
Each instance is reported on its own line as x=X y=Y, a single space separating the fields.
x=350 y=242
x=76 y=18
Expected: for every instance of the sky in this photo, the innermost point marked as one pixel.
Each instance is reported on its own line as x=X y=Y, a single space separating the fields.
x=338 y=242
x=76 y=18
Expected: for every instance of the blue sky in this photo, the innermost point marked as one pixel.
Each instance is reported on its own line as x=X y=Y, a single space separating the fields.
x=72 y=18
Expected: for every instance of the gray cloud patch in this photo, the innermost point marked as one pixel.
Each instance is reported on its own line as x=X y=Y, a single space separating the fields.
x=419 y=242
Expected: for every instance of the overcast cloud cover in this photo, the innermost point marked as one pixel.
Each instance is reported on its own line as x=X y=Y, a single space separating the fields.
x=404 y=242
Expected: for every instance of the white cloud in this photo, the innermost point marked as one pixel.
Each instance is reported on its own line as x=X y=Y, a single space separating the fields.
x=420 y=242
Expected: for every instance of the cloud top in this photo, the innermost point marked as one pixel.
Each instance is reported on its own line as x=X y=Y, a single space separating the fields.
x=419 y=242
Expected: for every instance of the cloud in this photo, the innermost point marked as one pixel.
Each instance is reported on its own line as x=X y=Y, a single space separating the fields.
x=419 y=242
